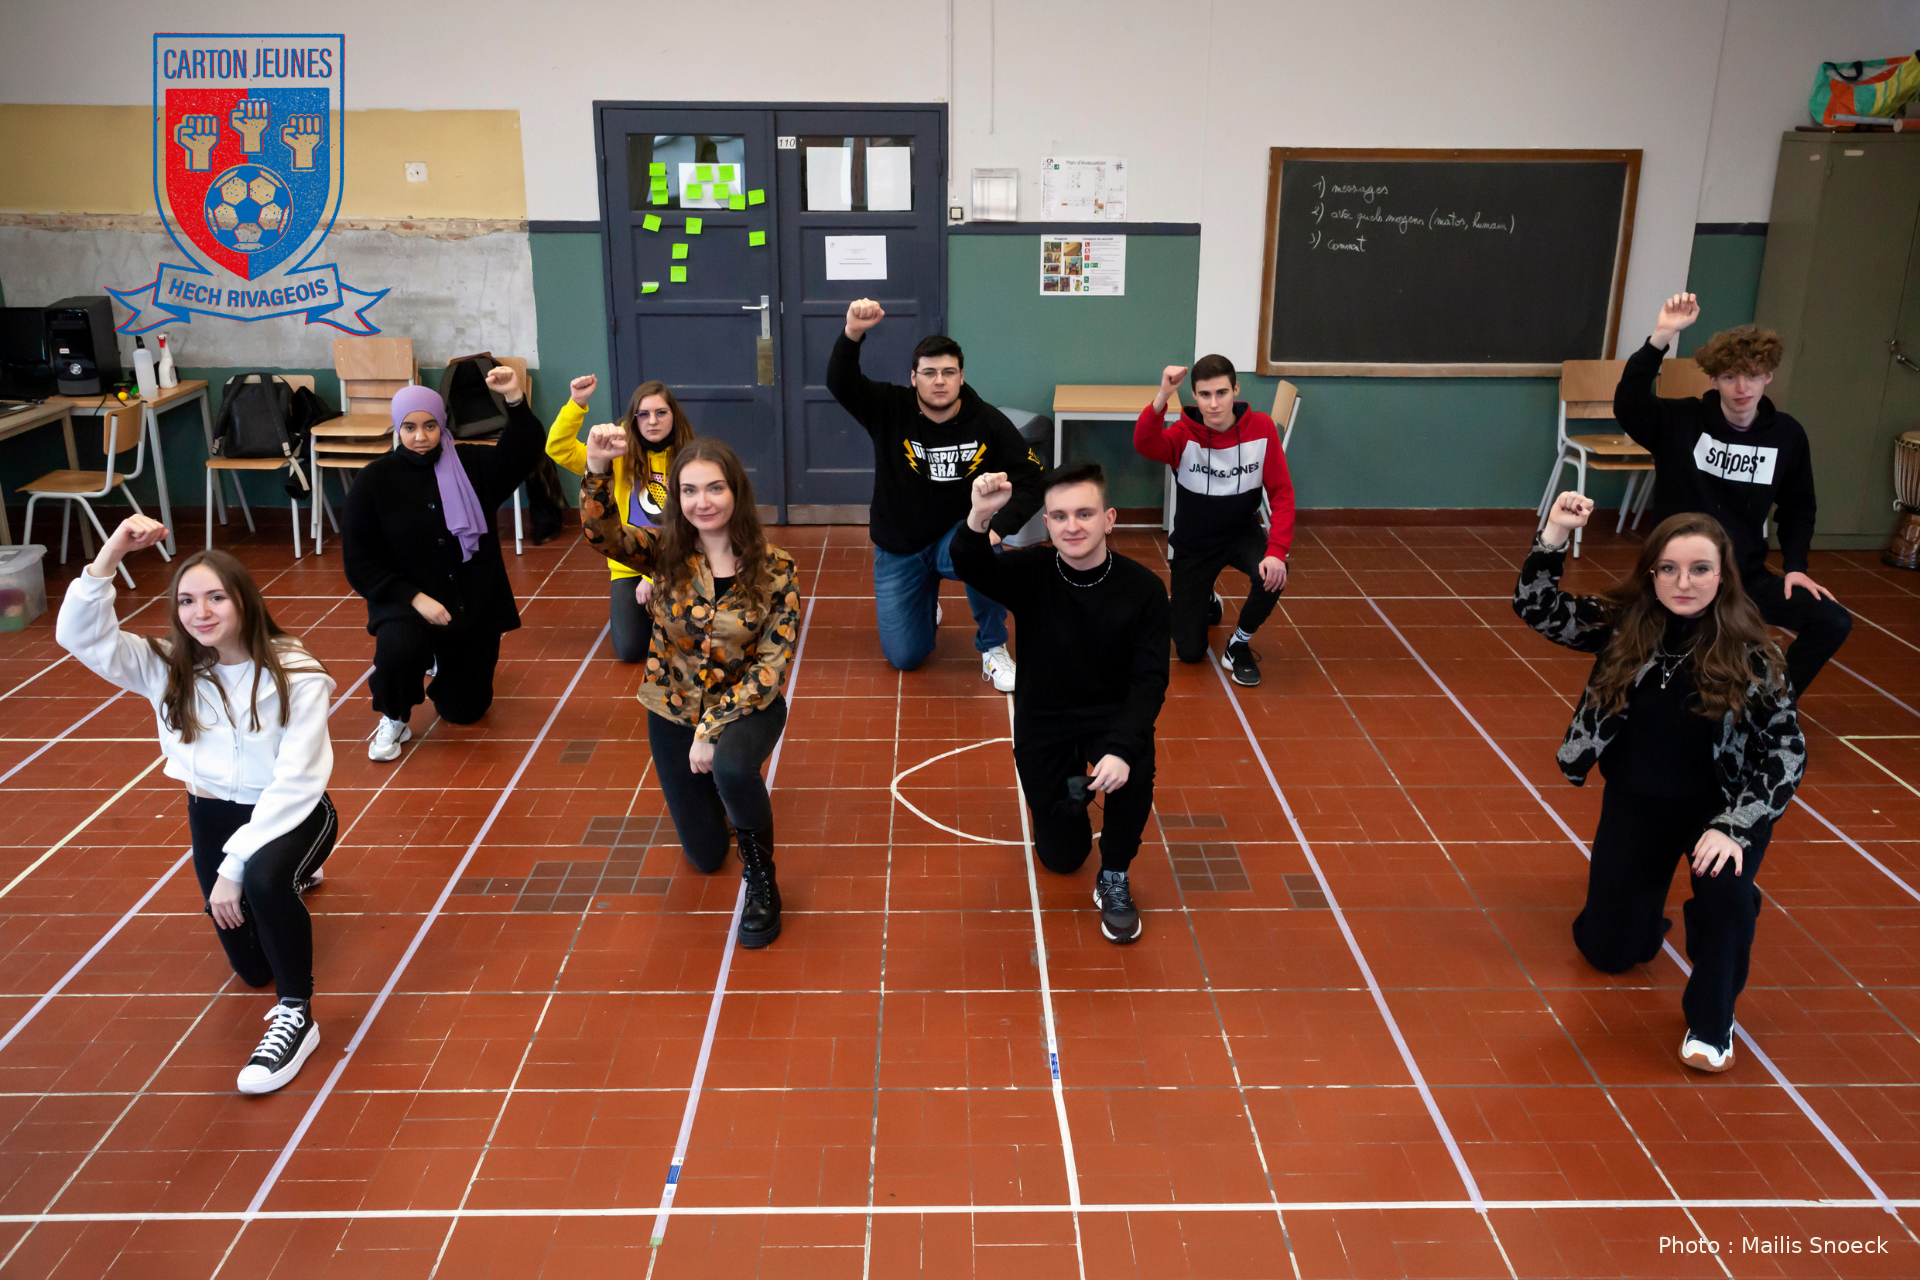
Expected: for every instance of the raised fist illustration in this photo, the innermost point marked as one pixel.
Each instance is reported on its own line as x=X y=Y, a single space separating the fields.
x=302 y=135
x=198 y=134
x=251 y=118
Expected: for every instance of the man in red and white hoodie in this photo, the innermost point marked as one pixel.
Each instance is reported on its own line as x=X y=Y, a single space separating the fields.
x=1223 y=455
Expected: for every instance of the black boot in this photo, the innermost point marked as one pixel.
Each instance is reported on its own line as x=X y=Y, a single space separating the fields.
x=760 y=919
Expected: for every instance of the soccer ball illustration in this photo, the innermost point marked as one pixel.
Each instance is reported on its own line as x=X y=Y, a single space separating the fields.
x=248 y=208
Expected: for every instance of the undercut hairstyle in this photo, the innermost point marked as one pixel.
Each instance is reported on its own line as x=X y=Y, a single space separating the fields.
x=937 y=344
x=273 y=650
x=1748 y=350
x=1215 y=366
x=1078 y=473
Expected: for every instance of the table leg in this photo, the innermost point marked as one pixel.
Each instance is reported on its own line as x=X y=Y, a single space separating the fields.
x=206 y=429
x=6 y=530
x=73 y=464
x=160 y=477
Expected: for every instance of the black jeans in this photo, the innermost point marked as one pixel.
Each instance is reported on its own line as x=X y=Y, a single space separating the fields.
x=1063 y=832
x=274 y=942
x=1640 y=840
x=704 y=804
x=1820 y=626
x=630 y=625
x=1193 y=579
x=462 y=689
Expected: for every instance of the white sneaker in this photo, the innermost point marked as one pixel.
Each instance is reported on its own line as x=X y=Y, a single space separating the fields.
x=312 y=881
x=997 y=665
x=938 y=614
x=1702 y=1056
x=387 y=739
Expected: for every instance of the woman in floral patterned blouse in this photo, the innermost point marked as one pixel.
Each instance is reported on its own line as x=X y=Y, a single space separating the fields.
x=726 y=622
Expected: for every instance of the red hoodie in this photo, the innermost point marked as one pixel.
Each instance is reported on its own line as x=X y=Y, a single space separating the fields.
x=1220 y=474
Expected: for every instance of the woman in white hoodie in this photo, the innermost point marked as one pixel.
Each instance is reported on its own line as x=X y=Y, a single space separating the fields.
x=242 y=711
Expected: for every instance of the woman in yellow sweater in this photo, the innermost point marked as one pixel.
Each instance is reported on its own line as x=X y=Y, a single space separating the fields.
x=657 y=428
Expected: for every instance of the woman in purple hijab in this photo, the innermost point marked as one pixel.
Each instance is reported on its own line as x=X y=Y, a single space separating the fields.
x=419 y=544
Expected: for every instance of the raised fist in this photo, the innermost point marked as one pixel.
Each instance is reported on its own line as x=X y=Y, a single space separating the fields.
x=504 y=382
x=198 y=135
x=1172 y=376
x=136 y=533
x=862 y=315
x=302 y=134
x=605 y=442
x=251 y=118
x=1679 y=311
x=582 y=389
x=991 y=491
x=1570 y=511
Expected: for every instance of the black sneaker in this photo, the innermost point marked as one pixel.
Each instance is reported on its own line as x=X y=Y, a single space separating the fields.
x=1216 y=610
x=1119 y=918
x=1240 y=659
x=289 y=1042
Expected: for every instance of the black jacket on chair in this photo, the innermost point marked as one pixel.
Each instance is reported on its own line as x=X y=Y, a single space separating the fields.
x=394 y=538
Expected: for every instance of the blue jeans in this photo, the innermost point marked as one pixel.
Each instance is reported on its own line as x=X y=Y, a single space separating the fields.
x=906 y=589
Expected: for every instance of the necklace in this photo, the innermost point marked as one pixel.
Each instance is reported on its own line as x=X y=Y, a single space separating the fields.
x=1660 y=656
x=1061 y=566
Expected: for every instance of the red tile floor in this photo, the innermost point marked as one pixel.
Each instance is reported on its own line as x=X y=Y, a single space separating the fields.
x=1355 y=1039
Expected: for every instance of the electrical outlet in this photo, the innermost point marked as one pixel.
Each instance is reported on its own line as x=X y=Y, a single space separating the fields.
x=416 y=171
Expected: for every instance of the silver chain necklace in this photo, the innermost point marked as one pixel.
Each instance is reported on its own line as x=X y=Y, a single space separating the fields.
x=1061 y=565
x=1660 y=656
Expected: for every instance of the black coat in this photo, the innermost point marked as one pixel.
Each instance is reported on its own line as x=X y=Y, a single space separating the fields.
x=395 y=542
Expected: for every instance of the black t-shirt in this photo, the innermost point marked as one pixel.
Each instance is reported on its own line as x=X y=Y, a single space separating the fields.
x=1666 y=747
x=722 y=585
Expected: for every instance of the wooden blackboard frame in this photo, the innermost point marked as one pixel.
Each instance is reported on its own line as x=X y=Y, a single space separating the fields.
x=1277 y=158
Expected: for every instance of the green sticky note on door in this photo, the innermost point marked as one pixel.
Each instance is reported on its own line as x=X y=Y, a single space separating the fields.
x=721 y=190
x=693 y=226
x=695 y=191
x=679 y=251
x=726 y=172
x=651 y=222
x=704 y=172
x=677 y=274
x=736 y=202
x=659 y=196
x=756 y=238
x=657 y=169
x=757 y=196
x=649 y=286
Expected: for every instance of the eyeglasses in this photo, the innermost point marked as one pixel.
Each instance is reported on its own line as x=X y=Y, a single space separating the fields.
x=652 y=415
x=1672 y=573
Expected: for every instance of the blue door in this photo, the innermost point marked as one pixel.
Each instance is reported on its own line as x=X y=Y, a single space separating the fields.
x=741 y=330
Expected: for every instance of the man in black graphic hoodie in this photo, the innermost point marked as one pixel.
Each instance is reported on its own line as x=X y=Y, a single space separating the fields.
x=1733 y=456
x=930 y=440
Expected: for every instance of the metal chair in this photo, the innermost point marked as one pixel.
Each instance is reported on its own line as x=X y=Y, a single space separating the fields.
x=124 y=429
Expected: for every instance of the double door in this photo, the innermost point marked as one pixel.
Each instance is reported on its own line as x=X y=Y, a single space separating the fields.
x=735 y=237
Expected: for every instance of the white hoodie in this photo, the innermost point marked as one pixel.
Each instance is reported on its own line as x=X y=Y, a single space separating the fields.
x=280 y=771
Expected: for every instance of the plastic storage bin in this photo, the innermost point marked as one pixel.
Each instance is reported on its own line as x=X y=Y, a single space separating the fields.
x=23 y=587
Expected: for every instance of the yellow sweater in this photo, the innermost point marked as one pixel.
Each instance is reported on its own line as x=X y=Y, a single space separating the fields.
x=566 y=449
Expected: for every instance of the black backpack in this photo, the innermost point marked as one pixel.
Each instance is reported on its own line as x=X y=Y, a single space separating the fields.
x=264 y=416
x=473 y=409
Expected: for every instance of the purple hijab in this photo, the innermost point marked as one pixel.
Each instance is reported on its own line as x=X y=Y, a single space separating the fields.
x=461 y=505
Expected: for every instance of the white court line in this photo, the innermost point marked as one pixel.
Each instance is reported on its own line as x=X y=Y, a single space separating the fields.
x=85 y=822
x=48 y=746
x=42 y=671
x=420 y=935
x=1833 y=1140
x=666 y=1209
x=894 y=787
x=1835 y=662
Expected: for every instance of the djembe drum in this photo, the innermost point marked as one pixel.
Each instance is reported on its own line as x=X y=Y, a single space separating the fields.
x=1905 y=551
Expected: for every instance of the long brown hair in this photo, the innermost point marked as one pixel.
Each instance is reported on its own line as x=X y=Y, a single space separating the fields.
x=1730 y=628
x=679 y=540
x=637 y=445
x=187 y=659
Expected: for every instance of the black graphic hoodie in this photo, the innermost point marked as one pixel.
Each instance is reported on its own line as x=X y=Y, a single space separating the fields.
x=1703 y=464
x=923 y=470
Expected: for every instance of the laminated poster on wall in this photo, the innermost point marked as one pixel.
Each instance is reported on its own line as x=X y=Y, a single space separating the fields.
x=1083 y=188
x=1092 y=265
x=856 y=257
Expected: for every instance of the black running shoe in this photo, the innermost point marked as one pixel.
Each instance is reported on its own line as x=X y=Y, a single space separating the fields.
x=1216 y=610
x=1119 y=918
x=289 y=1042
x=1241 y=660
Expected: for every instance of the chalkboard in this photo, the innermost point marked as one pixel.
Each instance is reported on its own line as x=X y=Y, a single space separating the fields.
x=1444 y=263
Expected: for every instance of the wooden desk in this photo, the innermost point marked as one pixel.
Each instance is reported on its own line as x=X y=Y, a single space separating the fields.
x=175 y=397
x=1111 y=404
x=13 y=424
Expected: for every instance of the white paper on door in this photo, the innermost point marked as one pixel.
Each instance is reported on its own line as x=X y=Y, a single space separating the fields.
x=856 y=257
x=889 y=179
x=829 y=179
x=707 y=186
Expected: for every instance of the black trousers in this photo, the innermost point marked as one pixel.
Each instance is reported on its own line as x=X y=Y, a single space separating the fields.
x=462 y=689
x=630 y=625
x=1063 y=832
x=1640 y=840
x=1193 y=579
x=704 y=804
x=274 y=942
x=1820 y=626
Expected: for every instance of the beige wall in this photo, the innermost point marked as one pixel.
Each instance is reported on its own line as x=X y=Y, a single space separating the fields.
x=92 y=159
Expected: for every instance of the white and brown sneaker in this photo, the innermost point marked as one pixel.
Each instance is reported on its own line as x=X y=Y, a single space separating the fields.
x=1701 y=1056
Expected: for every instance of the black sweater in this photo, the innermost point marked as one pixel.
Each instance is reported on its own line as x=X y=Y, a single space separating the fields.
x=1703 y=464
x=923 y=470
x=394 y=537
x=1093 y=649
x=1666 y=746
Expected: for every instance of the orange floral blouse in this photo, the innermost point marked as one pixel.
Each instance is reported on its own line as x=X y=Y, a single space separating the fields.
x=711 y=661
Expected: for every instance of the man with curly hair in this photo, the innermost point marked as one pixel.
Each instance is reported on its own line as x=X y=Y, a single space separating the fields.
x=1734 y=456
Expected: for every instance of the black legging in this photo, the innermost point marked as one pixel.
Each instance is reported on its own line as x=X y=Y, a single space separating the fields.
x=274 y=942
x=462 y=688
x=703 y=804
x=1640 y=840
x=631 y=627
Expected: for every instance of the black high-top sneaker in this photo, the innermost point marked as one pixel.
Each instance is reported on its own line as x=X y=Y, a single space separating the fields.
x=289 y=1042
x=1119 y=917
x=760 y=919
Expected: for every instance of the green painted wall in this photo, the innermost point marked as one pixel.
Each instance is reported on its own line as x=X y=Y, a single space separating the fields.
x=1725 y=275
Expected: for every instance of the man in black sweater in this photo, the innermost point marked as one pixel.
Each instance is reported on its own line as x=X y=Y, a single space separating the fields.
x=1094 y=629
x=929 y=442
x=1734 y=456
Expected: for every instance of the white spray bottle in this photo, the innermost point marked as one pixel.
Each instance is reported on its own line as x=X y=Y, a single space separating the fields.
x=169 y=376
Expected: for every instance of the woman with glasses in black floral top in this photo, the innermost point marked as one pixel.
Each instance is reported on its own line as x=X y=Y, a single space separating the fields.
x=726 y=623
